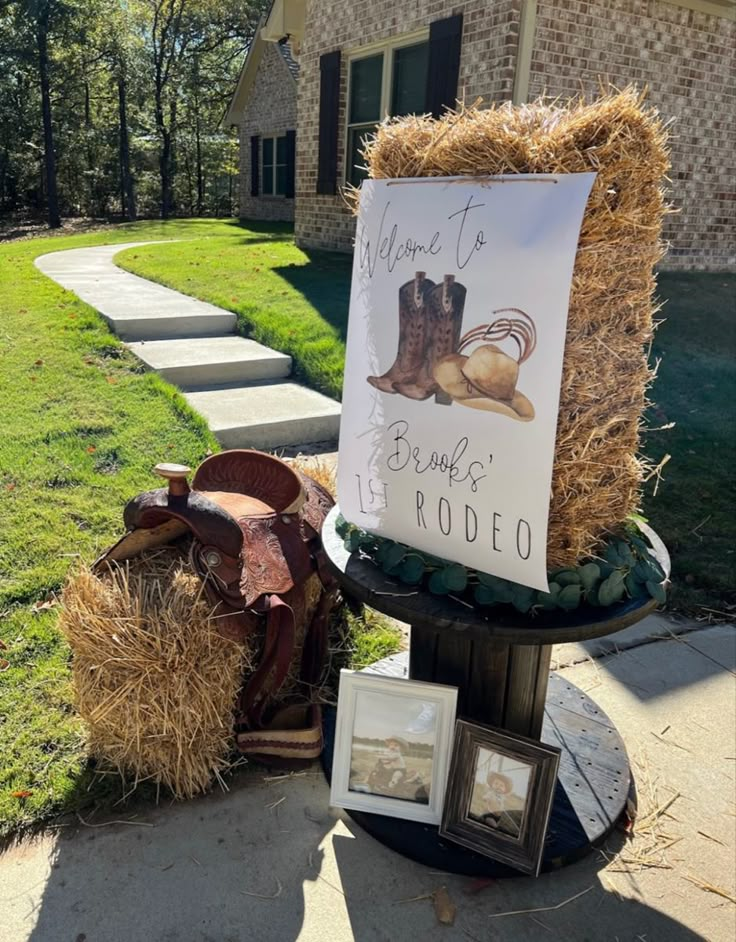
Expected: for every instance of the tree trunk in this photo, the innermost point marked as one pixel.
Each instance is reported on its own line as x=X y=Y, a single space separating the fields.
x=127 y=186
x=200 y=174
x=198 y=140
x=52 y=199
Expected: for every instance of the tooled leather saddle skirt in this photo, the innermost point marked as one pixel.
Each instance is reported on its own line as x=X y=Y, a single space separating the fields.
x=255 y=524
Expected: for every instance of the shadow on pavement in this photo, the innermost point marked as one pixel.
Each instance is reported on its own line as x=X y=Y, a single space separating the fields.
x=685 y=660
x=224 y=868
x=389 y=898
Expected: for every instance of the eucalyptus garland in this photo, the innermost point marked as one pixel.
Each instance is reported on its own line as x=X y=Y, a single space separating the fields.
x=626 y=568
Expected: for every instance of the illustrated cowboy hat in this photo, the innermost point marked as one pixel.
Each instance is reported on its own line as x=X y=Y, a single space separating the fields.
x=486 y=379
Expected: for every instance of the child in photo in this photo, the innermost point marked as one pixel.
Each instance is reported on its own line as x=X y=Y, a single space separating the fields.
x=390 y=766
x=502 y=808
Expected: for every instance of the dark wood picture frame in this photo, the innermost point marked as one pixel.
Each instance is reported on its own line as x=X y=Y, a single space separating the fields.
x=522 y=852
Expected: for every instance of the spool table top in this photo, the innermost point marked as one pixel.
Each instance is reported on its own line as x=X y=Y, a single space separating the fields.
x=362 y=579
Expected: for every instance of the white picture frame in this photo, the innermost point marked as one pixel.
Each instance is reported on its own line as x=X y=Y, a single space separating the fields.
x=393 y=740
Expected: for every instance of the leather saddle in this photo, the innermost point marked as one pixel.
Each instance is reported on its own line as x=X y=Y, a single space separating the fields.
x=255 y=524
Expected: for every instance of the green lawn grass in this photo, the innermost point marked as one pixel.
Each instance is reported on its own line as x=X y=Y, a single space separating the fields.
x=693 y=509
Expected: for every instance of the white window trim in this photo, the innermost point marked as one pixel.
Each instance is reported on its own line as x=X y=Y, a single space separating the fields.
x=387 y=77
x=274 y=195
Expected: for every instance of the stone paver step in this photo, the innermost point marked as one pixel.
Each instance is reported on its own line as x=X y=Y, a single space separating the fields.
x=212 y=361
x=268 y=415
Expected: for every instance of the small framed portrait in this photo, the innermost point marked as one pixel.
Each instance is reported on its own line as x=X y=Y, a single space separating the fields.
x=392 y=746
x=499 y=794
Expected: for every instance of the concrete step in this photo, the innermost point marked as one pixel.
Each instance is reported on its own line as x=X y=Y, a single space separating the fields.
x=268 y=415
x=212 y=361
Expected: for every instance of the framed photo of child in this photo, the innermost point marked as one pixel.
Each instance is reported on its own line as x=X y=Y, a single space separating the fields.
x=392 y=746
x=499 y=795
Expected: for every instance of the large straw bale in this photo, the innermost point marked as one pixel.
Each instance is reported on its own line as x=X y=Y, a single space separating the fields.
x=598 y=471
x=155 y=681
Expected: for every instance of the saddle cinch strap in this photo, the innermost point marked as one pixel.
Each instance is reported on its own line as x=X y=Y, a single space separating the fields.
x=256 y=525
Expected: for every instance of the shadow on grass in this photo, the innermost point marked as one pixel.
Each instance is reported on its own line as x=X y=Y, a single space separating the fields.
x=325 y=283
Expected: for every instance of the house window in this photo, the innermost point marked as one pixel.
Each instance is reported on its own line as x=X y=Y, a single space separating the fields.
x=274 y=166
x=387 y=80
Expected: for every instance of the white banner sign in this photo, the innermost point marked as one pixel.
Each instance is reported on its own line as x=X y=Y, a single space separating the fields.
x=456 y=335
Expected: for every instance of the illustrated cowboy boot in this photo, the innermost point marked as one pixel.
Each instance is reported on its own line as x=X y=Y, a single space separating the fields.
x=444 y=326
x=413 y=303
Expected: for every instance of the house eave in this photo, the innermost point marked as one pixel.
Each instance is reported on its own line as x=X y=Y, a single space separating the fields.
x=286 y=21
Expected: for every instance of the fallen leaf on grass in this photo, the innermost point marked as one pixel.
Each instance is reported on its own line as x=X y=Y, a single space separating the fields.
x=444 y=909
x=43 y=606
x=38 y=363
x=91 y=450
x=4 y=664
x=10 y=487
x=111 y=380
x=23 y=793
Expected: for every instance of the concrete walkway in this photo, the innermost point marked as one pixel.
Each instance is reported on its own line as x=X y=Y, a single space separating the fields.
x=271 y=862
x=238 y=385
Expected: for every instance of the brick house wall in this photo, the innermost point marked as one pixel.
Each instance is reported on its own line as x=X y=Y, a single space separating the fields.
x=490 y=36
x=270 y=110
x=686 y=59
x=683 y=56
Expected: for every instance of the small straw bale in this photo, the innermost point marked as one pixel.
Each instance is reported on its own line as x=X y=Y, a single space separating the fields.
x=155 y=682
x=598 y=471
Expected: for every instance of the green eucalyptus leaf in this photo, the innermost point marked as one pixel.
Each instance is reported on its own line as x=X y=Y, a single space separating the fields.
x=624 y=551
x=611 y=556
x=589 y=574
x=567 y=577
x=548 y=600
x=569 y=597
x=437 y=584
x=491 y=582
x=412 y=569
x=657 y=591
x=341 y=526
x=592 y=596
x=484 y=595
x=654 y=563
x=606 y=568
x=504 y=593
x=394 y=556
x=612 y=589
x=648 y=570
x=523 y=598
x=352 y=542
x=455 y=577
x=641 y=545
x=635 y=589
x=383 y=547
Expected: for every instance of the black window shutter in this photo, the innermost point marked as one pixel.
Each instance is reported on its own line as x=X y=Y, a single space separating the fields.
x=445 y=40
x=329 y=105
x=290 y=163
x=255 y=159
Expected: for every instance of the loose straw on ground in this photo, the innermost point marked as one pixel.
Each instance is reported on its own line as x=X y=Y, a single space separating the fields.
x=598 y=471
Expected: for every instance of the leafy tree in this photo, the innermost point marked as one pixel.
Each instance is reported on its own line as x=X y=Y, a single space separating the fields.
x=115 y=105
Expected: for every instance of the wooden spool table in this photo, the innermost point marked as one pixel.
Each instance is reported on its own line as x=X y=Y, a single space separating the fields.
x=500 y=663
